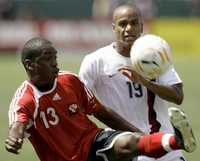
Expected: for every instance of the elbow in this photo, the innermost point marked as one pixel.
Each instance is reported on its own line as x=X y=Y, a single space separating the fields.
x=179 y=100
x=179 y=95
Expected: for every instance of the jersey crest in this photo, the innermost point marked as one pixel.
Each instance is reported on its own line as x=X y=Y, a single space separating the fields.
x=73 y=109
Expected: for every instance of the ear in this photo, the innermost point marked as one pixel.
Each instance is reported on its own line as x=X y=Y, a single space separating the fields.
x=141 y=27
x=28 y=64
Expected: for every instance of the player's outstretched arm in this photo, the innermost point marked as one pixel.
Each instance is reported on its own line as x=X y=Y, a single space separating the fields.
x=173 y=93
x=14 y=141
x=114 y=120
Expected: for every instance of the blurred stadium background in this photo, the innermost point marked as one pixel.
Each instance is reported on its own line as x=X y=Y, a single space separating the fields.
x=79 y=27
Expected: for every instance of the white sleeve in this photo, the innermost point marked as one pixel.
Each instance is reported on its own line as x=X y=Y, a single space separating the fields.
x=88 y=72
x=170 y=77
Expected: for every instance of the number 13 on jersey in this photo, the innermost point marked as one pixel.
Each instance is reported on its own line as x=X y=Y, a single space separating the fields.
x=54 y=117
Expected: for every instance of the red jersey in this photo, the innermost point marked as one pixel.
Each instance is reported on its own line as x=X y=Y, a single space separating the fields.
x=59 y=128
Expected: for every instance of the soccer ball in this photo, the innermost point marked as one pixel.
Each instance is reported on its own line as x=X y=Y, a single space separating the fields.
x=151 y=56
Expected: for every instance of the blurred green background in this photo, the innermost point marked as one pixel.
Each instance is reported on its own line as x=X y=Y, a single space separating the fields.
x=182 y=34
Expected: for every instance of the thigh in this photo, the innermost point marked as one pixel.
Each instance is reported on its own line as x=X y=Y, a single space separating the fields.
x=101 y=142
x=102 y=145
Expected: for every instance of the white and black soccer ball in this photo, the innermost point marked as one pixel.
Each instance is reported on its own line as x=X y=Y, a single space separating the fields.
x=151 y=56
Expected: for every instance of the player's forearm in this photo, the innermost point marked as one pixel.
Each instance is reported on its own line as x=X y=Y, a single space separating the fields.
x=17 y=130
x=168 y=93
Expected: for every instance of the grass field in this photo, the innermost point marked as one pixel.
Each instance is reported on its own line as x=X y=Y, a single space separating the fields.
x=12 y=74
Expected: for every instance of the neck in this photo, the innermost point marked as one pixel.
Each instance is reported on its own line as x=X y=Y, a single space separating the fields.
x=122 y=49
x=44 y=88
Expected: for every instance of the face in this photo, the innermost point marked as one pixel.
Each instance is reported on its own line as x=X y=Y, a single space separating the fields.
x=44 y=69
x=127 y=25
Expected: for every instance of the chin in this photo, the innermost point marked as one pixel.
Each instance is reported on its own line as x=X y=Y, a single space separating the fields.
x=128 y=43
x=131 y=42
x=53 y=79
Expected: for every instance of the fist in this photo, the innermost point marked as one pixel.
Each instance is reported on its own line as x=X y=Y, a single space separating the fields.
x=13 y=145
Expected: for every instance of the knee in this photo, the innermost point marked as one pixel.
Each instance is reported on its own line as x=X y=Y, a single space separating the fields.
x=126 y=146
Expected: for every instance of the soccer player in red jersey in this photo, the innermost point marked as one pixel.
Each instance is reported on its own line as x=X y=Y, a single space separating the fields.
x=51 y=108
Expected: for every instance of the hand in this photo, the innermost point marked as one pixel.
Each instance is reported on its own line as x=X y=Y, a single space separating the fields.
x=13 y=145
x=133 y=75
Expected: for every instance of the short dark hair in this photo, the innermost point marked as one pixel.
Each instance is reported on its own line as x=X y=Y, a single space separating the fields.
x=126 y=3
x=34 y=47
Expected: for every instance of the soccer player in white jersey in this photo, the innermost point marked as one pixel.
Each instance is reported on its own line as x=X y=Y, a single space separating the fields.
x=143 y=103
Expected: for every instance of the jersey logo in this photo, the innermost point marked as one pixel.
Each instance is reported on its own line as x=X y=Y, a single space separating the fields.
x=56 y=97
x=73 y=108
x=111 y=75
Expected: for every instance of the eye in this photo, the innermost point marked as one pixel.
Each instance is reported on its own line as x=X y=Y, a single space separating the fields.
x=122 y=23
x=48 y=58
x=134 y=22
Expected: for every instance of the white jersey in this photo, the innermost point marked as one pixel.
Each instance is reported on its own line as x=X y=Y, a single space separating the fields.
x=99 y=72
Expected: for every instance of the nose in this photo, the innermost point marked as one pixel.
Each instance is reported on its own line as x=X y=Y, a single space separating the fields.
x=129 y=27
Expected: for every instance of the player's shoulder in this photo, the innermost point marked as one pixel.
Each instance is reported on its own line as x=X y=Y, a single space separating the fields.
x=170 y=77
x=170 y=72
x=24 y=89
x=99 y=53
x=70 y=79
x=24 y=94
x=68 y=75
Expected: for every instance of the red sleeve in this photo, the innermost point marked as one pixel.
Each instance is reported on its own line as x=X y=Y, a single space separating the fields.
x=20 y=108
x=27 y=108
